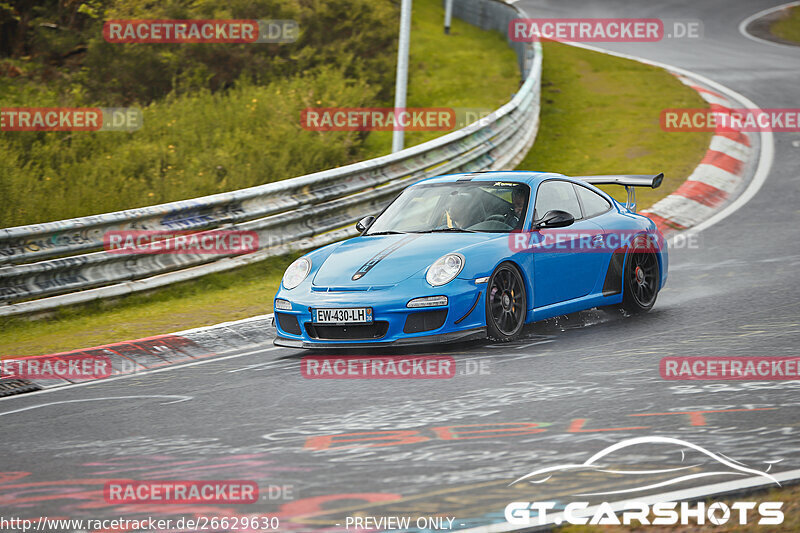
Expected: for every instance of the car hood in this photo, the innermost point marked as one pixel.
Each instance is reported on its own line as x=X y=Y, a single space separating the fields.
x=388 y=259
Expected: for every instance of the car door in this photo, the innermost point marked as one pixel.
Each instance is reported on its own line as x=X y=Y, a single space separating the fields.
x=598 y=209
x=566 y=271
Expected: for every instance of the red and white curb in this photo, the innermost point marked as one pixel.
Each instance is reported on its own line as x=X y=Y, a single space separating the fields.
x=158 y=352
x=719 y=176
x=675 y=213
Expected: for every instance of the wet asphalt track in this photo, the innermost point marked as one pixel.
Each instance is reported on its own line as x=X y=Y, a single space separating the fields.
x=538 y=402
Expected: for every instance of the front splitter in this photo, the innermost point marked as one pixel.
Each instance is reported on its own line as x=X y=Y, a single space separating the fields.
x=455 y=336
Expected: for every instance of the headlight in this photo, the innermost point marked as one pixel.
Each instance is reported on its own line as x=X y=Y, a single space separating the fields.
x=296 y=273
x=445 y=269
x=283 y=305
x=427 y=301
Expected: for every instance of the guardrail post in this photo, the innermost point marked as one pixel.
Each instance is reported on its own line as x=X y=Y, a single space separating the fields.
x=398 y=135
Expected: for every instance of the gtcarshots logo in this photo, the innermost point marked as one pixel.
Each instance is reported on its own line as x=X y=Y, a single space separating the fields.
x=618 y=477
x=124 y=492
x=662 y=513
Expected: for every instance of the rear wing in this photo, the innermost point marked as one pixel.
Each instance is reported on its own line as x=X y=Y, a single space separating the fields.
x=629 y=181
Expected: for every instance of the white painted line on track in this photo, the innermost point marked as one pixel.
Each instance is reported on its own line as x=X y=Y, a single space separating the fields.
x=746 y=22
x=533 y=344
x=257 y=365
x=713 y=99
x=179 y=400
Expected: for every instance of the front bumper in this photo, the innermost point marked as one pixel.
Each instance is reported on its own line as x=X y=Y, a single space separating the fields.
x=464 y=320
x=453 y=336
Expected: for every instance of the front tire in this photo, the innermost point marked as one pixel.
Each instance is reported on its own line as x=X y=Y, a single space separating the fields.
x=640 y=281
x=506 y=303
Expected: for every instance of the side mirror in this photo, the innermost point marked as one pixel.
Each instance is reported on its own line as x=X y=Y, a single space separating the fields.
x=364 y=224
x=554 y=219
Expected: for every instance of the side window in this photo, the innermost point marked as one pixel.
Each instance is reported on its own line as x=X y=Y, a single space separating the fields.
x=556 y=194
x=593 y=203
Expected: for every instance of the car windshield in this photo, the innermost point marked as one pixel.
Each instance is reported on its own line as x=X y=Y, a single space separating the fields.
x=463 y=206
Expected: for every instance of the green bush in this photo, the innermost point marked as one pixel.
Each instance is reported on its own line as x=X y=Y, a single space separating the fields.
x=64 y=42
x=190 y=146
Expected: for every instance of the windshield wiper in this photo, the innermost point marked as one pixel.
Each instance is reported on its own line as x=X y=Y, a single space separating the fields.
x=386 y=233
x=442 y=230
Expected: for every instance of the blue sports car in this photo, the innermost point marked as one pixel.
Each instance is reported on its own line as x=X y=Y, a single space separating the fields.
x=475 y=255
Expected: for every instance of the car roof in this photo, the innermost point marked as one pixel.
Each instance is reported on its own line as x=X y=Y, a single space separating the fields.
x=514 y=176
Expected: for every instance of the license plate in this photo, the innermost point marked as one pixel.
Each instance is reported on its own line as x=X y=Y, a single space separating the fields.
x=351 y=315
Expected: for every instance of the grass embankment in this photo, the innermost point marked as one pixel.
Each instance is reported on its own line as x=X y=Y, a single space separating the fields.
x=600 y=115
x=788 y=27
x=469 y=68
x=190 y=146
x=791 y=522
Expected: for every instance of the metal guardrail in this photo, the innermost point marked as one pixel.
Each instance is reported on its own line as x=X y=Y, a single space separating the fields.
x=47 y=265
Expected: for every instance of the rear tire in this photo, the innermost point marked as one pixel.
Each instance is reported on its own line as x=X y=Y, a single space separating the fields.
x=506 y=303
x=640 y=281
